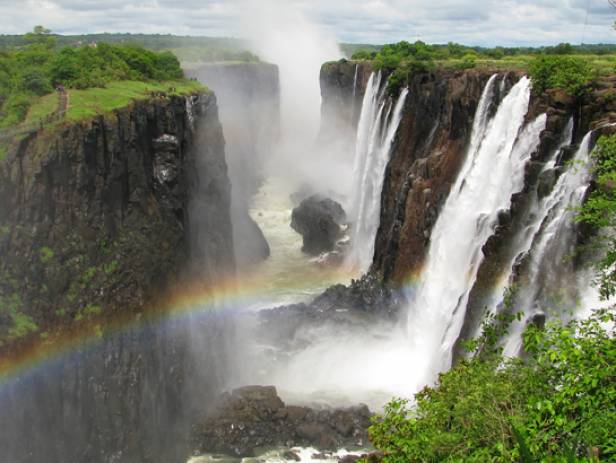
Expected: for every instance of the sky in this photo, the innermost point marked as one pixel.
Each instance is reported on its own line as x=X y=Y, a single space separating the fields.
x=471 y=22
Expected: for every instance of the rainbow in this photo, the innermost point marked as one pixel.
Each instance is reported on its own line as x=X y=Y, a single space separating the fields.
x=228 y=295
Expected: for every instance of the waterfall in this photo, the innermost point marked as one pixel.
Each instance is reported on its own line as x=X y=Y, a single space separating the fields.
x=552 y=243
x=377 y=127
x=523 y=240
x=355 y=82
x=492 y=172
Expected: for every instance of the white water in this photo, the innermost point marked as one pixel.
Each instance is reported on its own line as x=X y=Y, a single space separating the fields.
x=552 y=243
x=377 y=128
x=524 y=238
x=492 y=172
x=304 y=455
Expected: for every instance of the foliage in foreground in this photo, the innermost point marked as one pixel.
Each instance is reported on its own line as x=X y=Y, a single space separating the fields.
x=558 y=404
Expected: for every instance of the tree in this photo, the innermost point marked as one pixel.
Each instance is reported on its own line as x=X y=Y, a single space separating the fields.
x=41 y=36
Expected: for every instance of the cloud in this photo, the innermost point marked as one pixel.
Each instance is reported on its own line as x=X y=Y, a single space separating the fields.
x=489 y=22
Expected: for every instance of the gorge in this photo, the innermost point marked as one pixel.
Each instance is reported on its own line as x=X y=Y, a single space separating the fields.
x=169 y=220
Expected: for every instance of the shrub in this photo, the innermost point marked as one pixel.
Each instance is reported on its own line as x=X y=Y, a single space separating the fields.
x=468 y=62
x=568 y=73
x=487 y=408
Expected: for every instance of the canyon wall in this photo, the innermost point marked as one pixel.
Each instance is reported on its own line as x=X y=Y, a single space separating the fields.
x=427 y=154
x=100 y=219
x=249 y=101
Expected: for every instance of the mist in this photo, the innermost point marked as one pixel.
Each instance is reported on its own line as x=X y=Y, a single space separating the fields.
x=280 y=34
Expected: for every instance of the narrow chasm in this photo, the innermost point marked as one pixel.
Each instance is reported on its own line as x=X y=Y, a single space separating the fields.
x=215 y=275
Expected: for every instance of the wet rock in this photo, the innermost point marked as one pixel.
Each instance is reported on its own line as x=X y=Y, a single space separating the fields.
x=251 y=247
x=321 y=222
x=359 y=305
x=350 y=458
x=545 y=183
x=291 y=456
x=253 y=418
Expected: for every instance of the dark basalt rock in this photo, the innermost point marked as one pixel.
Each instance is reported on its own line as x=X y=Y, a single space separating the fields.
x=254 y=418
x=360 y=305
x=251 y=247
x=321 y=223
x=99 y=218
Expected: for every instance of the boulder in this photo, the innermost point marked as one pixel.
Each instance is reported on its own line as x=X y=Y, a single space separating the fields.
x=251 y=419
x=321 y=222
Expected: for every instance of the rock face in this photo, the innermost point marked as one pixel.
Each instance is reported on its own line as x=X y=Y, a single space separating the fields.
x=254 y=418
x=249 y=100
x=249 y=240
x=320 y=221
x=98 y=219
x=105 y=214
x=356 y=307
x=343 y=85
x=427 y=154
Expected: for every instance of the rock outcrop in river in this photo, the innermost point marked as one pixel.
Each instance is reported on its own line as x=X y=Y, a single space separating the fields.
x=320 y=221
x=254 y=418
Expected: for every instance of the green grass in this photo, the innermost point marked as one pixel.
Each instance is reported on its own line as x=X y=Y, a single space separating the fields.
x=43 y=107
x=603 y=64
x=93 y=101
x=83 y=104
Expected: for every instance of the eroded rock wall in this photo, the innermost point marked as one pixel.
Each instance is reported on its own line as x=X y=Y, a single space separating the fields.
x=249 y=101
x=100 y=219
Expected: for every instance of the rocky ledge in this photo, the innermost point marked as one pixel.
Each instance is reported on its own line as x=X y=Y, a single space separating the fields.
x=254 y=419
x=359 y=305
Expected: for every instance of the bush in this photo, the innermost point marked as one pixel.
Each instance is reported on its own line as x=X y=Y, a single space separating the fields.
x=561 y=398
x=468 y=62
x=415 y=57
x=568 y=73
x=33 y=69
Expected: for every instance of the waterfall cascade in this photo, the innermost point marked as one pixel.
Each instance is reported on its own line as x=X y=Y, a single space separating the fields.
x=536 y=214
x=492 y=172
x=552 y=244
x=377 y=127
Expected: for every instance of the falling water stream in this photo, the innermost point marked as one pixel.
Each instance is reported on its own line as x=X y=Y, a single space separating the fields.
x=552 y=243
x=492 y=172
x=377 y=128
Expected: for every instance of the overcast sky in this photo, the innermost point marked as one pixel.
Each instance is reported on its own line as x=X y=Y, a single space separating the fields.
x=472 y=22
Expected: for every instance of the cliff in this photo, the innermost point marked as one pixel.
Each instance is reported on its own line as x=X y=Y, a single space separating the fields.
x=425 y=159
x=431 y=142
x=101 y=215
x=249 y=101
x=99 y=219
x=343 y=84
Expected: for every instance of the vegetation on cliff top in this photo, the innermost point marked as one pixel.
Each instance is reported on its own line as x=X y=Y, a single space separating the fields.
x=563 y=66
x=34 y=70
x=186 y=48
